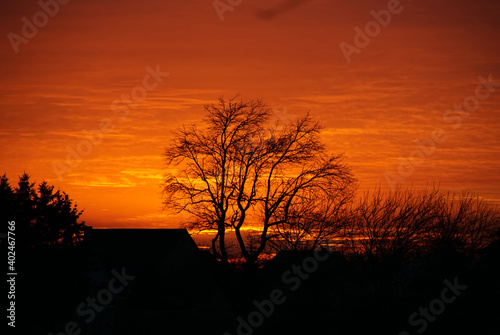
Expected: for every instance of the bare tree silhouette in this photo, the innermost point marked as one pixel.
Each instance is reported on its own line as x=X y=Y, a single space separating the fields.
x=405 y=223
x=319 y=216
x=231 y=175
x=392 y=225
x=466 y=224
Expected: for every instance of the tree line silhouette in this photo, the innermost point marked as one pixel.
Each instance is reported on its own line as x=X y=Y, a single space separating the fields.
x=240 y=170
x=44 y=218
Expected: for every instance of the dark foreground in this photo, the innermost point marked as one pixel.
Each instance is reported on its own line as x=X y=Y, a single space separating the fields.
x=158 y=282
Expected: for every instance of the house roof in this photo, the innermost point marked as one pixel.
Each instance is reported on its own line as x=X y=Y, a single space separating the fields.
x=139 y=248
x=164 y=239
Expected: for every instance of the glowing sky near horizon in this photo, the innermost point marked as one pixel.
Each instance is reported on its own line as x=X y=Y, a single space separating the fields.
x=394 y=91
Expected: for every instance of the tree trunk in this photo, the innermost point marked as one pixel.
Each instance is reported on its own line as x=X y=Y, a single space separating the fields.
x=222 y=245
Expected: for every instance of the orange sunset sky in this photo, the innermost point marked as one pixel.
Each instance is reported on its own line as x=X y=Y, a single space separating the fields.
x=396 y=90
